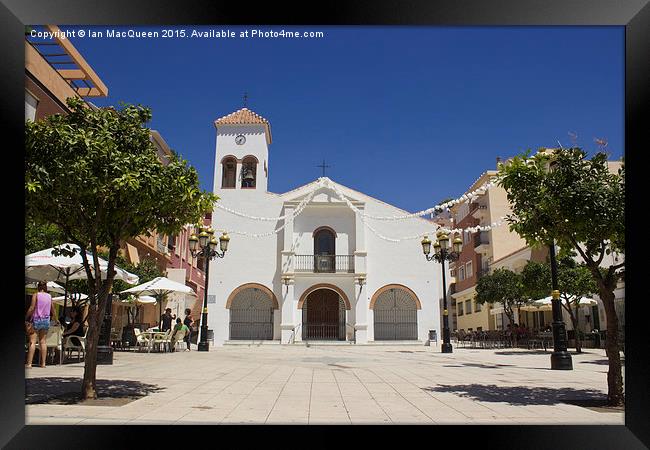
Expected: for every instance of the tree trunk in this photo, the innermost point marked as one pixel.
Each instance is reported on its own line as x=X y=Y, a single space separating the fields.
x=96 y=318
x=614 y=374
x=89 y=386
x=574 y=321
x=576 y=330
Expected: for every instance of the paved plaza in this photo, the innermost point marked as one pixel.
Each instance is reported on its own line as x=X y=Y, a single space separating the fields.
x=330 y=384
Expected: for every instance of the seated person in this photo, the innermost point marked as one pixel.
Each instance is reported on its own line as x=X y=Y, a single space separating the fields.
x=75 y=328
x=180 y=330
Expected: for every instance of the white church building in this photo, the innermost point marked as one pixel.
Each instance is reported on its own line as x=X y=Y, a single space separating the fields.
x=308 y=264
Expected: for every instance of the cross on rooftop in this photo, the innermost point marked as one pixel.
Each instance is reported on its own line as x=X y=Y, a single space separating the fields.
x=245 y=99
x=323 y=166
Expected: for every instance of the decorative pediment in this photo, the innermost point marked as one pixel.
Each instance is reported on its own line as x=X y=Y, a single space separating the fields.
x=322 y=193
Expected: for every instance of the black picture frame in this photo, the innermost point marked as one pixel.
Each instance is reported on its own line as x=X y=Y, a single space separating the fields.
x=633 y=15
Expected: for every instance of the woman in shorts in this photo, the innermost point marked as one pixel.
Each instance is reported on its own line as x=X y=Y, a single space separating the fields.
x=38 y=319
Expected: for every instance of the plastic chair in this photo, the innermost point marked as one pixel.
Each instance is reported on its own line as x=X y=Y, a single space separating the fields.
x=140 y=339
x=75 y=343
x=163 y=341
x=54 y=340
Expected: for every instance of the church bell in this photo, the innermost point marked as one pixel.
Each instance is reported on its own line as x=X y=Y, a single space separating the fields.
x=248 y=175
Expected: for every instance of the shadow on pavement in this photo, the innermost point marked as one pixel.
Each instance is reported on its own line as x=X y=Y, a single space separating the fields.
x=67 y=390
x=520 y=395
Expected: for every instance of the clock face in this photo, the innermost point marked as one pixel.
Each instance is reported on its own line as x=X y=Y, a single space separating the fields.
x=239 y=140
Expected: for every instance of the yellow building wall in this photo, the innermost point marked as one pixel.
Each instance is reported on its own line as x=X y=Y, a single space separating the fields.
x=475 y=319
x=502 y=240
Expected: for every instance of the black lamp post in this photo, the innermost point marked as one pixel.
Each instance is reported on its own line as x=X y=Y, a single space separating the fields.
x=207 y=247
x=441 y=254
x=560 y=358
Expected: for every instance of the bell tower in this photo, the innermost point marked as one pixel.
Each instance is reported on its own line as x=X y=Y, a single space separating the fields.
x=242 y=153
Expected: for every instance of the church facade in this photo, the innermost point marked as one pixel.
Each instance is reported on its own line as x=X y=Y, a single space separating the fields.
x=305 y=265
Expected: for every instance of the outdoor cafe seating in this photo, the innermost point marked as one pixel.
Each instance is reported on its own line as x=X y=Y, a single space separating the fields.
x=503 y=339
x=61 y=346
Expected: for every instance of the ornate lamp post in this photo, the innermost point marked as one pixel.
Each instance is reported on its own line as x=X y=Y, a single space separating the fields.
x=441 y=254
x=207 y=247
x=560 y=358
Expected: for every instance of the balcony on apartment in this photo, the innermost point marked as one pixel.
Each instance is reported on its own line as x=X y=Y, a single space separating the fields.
x=478 y=210
x=482 y=242
x=324 y=263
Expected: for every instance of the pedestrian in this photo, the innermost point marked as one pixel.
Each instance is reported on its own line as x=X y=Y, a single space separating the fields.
x=37 y=323
x=76 y=327
x=188 y=321
x=166 y=320
x=180 y=330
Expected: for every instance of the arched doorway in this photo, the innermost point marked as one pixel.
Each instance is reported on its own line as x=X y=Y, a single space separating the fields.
x=323 y=316
x=395 y=314
x=251 y=313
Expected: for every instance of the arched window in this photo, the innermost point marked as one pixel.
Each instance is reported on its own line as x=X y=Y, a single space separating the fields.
x=324 y=250
x=324 y=241
x=229 y=172
x=248 y=172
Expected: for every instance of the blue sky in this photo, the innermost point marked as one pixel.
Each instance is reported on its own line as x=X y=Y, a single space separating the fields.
x=409 y=115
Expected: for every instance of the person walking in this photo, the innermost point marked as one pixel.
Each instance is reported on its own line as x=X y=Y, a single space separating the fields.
x=188 y=321
x=37 y=323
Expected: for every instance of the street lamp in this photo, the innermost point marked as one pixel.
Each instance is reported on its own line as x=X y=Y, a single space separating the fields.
x=206 y=245
x=560 y=358
x=441 y=254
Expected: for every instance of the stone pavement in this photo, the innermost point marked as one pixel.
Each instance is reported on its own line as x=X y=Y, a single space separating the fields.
x=273 y=384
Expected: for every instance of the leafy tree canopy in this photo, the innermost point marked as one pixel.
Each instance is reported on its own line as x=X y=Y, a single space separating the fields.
x=96 y=175
x=578 y=201
x=574 y=280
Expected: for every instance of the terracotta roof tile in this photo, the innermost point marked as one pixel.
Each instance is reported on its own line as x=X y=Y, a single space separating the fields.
x=241 y=117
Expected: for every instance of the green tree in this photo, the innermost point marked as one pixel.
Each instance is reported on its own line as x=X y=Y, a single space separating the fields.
x=503 y=286
x=579 y=203
x=146 y=270
x=41 y=236
x=95 y=174
x=575 y=282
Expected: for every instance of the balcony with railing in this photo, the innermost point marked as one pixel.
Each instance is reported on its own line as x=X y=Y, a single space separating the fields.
x=481 y=241
x=324 y=263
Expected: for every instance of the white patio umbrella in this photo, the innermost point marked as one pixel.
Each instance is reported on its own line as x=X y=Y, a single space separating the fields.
x=158 y=287
x=60 y=300
x=141 y=300
x=51 y=287
x=44 y=265
x=546 y=304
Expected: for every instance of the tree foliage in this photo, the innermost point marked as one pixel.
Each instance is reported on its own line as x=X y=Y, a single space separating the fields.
x=41 y=236
x=502 y=286
x=574 y=281
x=95 y=174
x=579 y=203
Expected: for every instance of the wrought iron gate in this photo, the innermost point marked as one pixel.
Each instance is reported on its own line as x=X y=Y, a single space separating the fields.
x=396 y=316
x=323 y=316
x=251 y=316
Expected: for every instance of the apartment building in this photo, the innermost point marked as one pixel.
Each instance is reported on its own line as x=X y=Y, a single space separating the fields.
x=54 y=72
x=480 y=250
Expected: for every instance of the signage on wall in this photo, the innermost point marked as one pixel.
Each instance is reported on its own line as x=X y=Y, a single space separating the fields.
x=212 y=299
